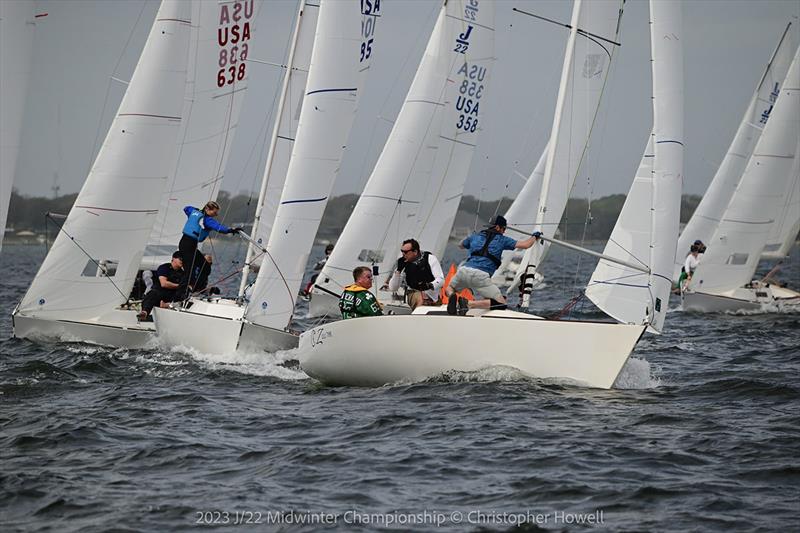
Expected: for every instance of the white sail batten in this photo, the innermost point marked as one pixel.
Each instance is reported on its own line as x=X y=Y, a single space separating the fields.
x=342 y=52
x=416 y=185
x=709 y=211
x=221 y=36
x=16 y=45
x=284 y=132
x=647 y=227
x=734 y=250
x=590 y=49
x=93 y=262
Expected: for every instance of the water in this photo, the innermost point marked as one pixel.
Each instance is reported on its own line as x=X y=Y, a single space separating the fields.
x=701 y=433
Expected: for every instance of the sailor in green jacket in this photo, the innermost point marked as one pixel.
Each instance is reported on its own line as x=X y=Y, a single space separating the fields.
x=356 y=300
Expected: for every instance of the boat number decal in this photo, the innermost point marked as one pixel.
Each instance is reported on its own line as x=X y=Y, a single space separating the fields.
x=233 y=34
x=470 y=92
x=471 y=10
x=772 y=97
x=370 y=11
x=318 y=336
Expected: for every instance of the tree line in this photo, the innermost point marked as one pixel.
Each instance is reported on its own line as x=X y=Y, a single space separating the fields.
x=583 y=220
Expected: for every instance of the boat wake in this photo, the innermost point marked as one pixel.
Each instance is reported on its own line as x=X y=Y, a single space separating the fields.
x=277 y=365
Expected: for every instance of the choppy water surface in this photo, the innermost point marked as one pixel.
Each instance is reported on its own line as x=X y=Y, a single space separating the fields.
x=701 y=433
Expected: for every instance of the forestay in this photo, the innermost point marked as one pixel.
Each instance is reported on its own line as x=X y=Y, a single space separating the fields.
x=16 y=44
x=650 y=215
x=94 y=260
x=416 y=185
x=590 y=48
x=343 y=47
x=221 y=37
x=734 y=250
x=709 y=211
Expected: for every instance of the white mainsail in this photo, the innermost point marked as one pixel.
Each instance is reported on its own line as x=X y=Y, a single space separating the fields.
x=284 y=132
x=216 y=85
x=709 y=211
x=16 y=44
x=521 y=214
x=590 y=48
x=343 y=48
x=416 y=185
x=647 y=228
x=734 y=250
x=93 y=262
x=784 y=231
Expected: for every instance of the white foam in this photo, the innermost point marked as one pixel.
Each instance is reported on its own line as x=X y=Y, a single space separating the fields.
x=255 y=364
x=636 y=374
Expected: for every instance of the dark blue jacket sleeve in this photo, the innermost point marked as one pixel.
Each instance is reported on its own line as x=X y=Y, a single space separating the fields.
x=210 y=223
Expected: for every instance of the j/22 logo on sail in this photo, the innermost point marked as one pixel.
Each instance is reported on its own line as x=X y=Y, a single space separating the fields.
x=462 y=43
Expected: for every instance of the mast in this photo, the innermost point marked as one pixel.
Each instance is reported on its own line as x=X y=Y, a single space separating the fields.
x=272 y=143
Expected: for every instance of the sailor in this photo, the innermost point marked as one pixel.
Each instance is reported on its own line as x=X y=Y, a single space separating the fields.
x=198 y=225
x=165 y=289
x=420 y=272
x=485 y=249
x=690 y=265
x=306 y=292
x=356 y=300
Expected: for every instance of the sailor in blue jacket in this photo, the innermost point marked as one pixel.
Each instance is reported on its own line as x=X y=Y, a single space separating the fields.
x=198 y=225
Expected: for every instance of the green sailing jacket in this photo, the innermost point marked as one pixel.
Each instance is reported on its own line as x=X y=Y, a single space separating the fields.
x=356 y=301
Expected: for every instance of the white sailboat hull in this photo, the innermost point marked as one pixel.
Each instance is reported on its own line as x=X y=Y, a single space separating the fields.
x=375 y=351
x=741 y=299
x=217 y=327
x=120 y=330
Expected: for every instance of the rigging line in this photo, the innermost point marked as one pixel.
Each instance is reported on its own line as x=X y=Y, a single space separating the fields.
x=567 y=26
x=92 y=259
x=108 y=86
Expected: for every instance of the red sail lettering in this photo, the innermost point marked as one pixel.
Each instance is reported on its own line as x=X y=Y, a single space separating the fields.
x=224 y=16
x=237 y=11
x=222 y=41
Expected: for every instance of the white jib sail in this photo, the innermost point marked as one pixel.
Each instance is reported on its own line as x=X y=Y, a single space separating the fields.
x=216 y=84
x=709 y=211
x=416 y=185
x=93 y=262
x=343 y=47
x=16 y=44
x=784 y=231
x=734 y=250
x=590 y=49
x=650 y=215
x=283 y=135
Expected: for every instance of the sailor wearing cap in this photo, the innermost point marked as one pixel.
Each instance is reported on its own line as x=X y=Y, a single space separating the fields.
x=485 y=249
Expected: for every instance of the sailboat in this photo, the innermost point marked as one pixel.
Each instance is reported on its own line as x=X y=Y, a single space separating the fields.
x=417 y=183
x=340 y=58
x=81 y=291
x=591 y=353
x=710 y=210
x=16 y=44
x=723 y=281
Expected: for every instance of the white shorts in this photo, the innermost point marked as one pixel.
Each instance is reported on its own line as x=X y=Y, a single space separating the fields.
x=478 y=281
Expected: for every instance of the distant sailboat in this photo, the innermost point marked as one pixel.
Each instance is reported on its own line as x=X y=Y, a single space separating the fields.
x=16 y=44
x=723 y=281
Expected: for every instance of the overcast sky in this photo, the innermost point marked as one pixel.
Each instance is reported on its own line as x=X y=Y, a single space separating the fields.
x=80 y=45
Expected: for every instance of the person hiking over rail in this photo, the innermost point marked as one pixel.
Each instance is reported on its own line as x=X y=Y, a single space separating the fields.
x=485 y=249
